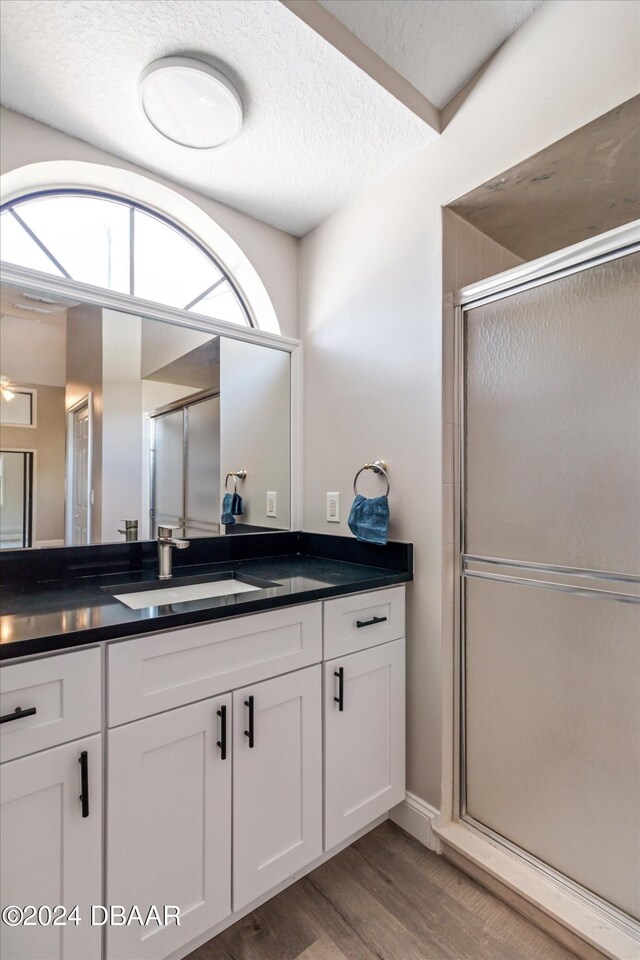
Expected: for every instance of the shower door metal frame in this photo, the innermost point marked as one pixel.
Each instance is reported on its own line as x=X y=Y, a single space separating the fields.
x=612 y=245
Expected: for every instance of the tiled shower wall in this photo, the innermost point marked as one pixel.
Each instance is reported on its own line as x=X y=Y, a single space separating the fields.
x=468 y=256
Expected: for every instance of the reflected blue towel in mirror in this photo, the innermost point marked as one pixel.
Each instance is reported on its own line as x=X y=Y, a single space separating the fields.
x=232 y=507
x=369 y=519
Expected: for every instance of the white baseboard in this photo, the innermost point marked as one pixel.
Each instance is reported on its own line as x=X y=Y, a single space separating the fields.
x=418 y=817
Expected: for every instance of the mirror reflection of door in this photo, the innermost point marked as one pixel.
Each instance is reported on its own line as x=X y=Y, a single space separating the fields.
x=16 y=499
x=79 y=473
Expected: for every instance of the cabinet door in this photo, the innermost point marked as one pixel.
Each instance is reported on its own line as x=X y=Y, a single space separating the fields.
x=169 y=826
x=364 y=742
x=51 y=853
x=277 y=788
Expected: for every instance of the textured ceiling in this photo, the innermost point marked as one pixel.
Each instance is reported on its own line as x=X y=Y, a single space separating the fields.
x=437 y=45
x=317 y=129
x=578 y=187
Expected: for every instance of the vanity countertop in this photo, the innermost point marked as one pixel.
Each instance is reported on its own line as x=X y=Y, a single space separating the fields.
x=59 y=599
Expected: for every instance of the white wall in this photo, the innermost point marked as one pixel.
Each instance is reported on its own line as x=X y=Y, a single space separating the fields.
x=162 y=343
x=371 y=309
x=255 y=396
x=121 y=423
x=272 y=252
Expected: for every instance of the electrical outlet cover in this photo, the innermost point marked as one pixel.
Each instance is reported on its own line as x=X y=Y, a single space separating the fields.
x=333 y=507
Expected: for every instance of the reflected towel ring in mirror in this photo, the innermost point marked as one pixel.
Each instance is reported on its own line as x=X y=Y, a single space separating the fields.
x=378 y=466
x=237 y=475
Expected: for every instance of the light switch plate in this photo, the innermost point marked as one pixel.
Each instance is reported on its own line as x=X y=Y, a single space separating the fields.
x=272 y=503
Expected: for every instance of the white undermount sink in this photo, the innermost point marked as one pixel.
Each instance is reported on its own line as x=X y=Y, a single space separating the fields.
x=182 y=594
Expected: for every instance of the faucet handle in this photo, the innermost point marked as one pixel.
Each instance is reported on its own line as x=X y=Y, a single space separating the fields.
x=165 y=534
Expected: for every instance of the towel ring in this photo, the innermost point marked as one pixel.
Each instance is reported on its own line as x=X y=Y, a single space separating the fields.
x=378 y=466
x=237 y=475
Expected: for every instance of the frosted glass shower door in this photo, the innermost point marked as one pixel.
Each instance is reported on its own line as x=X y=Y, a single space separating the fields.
x=202 y=473
x=550 y=575
x=186 y=468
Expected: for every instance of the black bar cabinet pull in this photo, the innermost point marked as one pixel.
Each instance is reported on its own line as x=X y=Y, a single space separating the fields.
x=249 y=733
x=367 y=623
x=17 y=713
x=84 y=780
x=222 y=742
x=339 y=673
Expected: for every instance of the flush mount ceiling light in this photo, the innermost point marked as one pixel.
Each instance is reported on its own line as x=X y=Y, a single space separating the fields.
x=190 y=102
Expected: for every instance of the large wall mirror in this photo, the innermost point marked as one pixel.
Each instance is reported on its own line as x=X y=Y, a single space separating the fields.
x=112 y=415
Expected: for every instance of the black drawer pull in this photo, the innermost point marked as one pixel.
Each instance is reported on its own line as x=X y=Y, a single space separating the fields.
x=83 y=760
x=222 y=742
x=367 y=623
x=250 y=732
x=339 y=673
x=17 y=713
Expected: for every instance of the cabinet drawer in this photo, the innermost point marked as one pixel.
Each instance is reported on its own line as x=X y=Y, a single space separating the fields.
x=158 y=672
x=65 y=691
x=365 y=620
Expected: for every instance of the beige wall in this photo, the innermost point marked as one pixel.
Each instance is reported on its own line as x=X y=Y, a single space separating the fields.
x=48 y=440
x=272 y=252
x=33 y=351
x=371 y=311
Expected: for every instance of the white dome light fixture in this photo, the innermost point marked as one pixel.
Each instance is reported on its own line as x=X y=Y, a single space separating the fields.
x=190 y=102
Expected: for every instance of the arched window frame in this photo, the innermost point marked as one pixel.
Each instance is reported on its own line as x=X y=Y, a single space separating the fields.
x=159 y=200
x=13 y=206
x=77 y=174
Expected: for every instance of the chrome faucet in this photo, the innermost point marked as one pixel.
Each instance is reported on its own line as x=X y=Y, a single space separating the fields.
x=165 y=544
x=130 y=530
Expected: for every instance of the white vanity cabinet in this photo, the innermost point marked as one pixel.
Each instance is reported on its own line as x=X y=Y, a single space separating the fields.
x=169 y=825
x=364 y=726
x=51 y=805
x=239 y=754
x=277 y=781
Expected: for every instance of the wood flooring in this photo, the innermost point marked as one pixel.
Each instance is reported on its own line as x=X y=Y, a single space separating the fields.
x=384 y=898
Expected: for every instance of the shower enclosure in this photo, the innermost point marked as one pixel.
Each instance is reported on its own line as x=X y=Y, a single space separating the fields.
x=185 y=467
x=549 y=370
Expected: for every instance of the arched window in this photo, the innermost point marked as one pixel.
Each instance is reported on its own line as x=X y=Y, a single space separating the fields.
x=115 y=242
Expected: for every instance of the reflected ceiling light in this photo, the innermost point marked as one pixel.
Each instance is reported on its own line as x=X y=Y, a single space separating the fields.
x=190 y=102
x=7 y=393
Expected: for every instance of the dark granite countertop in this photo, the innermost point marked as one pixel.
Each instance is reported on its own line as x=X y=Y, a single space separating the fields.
x=54 y=602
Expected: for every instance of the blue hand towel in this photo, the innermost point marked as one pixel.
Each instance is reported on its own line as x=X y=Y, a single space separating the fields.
x=232 y=507
x=369 y=519
x=226 y=516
